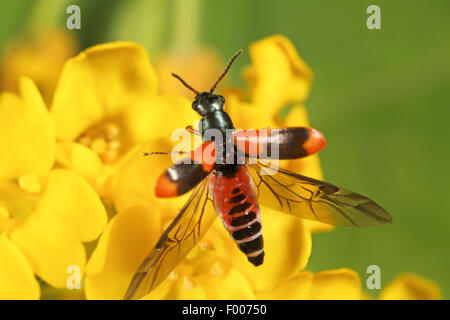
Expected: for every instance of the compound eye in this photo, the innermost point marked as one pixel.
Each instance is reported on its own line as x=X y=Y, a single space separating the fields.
x=221 y=99
x=195 y=105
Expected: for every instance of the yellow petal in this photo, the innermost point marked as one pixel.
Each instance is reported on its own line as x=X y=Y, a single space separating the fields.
x=123 y=246
x=411 y=287
x=204 y=276
x=230 y=285
x=278 y=75
x=100 y=83
x=248 y=116
x=296 y=288
x=80 y=159
x=339 y=284
x=219 y=279
x=185 y=288
x=30 y=183
x=16 y=275
x=68 y=213
x=26 y=133
x=287 y=246
x=158 y=116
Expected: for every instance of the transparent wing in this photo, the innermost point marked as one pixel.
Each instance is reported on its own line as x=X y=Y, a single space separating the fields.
x=178 y=239
x=313 y=199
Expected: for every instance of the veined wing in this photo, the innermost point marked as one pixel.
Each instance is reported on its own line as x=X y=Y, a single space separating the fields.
x=313 y=199
x=180 y=237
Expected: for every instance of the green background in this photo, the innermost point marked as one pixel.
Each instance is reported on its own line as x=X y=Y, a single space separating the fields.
x=381 y=98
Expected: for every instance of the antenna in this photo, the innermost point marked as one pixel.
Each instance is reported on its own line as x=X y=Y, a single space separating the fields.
x=226 y=70
x=185 y=84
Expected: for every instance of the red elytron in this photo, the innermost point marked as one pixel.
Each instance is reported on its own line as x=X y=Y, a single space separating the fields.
x=229 y=179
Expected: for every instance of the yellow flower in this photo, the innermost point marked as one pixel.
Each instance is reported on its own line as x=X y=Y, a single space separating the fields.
x=345 y=284
x=277 y=68
x=39 y=57
x=334 y=284
x=105 y=103
x=212 y=268
x=45 y=214
x=408 y=286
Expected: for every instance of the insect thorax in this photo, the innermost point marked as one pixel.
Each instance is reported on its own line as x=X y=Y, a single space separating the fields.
x=214 y=124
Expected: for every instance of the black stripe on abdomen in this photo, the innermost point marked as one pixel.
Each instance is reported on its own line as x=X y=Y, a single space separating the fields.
x=252 y=245
x=236 y=190
x=240 y=208
x=243 y=219
x=247 y=232
x=237 y=199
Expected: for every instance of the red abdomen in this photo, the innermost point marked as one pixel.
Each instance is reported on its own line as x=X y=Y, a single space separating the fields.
x=236 y=203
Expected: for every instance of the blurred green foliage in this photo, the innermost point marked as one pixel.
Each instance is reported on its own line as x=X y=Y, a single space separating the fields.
x=381 y=97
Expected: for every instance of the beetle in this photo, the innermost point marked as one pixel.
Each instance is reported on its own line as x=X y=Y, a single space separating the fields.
x=226 y=182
